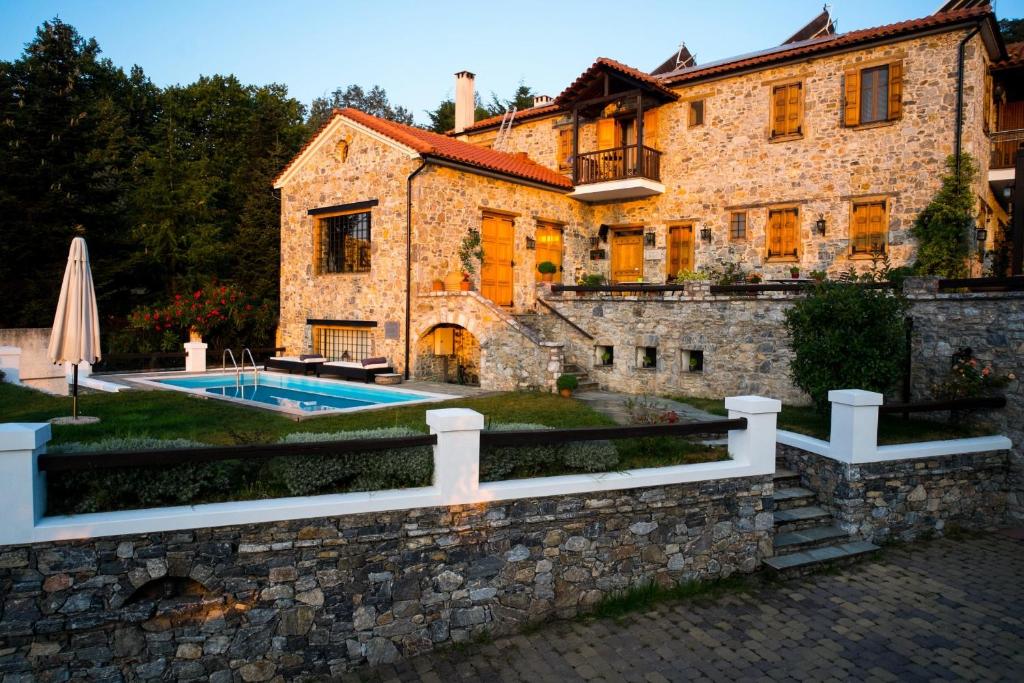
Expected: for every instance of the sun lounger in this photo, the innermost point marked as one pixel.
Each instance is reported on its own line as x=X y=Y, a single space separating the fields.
x=304 y=365
x=355 y=370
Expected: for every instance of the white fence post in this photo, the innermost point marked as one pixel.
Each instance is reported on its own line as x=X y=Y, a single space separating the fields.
x=754 y=445
x=457 y=453
x=10 y=363
x=854 y=433
x=195 y=356
x=22 y=485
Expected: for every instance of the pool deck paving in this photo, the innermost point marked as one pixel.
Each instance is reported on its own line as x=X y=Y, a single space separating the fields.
x=933 y=610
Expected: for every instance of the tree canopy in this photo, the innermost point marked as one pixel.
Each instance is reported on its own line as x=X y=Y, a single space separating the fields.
x=1012 y=30
x=374 y=102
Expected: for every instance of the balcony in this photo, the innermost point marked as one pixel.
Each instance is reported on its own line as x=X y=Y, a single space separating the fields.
x=1005 y=144
x=627 y=172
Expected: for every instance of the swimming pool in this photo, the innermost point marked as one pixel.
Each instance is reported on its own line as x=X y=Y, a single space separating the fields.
x=299 y=396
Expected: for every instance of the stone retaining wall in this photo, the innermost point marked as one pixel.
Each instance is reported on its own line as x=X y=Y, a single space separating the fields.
x=306 y=599
x=908 y=498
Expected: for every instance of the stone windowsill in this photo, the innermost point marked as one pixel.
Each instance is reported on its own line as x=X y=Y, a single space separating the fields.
x=785 y=138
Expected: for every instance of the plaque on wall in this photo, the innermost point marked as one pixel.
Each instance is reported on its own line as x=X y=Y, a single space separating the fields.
x=597 y=255
x=391 y=330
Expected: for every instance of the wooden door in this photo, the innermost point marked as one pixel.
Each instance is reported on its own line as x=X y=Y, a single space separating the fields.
x=680 y=249
x=627 y=255
x=496 y=272
x=783 y=233
x=549 y=248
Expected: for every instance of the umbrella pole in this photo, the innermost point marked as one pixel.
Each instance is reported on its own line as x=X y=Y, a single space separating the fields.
x=74 y=400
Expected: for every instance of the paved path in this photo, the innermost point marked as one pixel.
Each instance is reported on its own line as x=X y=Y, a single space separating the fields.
x=614 y=405
x=940 y=610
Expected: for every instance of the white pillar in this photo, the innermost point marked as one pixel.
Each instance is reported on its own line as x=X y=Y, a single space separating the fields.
x=754 y=445
x=457 y=453
x=854 y=435
x=22 y=485
x=10 y=363
x=195 y=356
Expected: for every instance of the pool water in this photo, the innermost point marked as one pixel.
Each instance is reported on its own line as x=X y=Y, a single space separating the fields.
x=293 y=394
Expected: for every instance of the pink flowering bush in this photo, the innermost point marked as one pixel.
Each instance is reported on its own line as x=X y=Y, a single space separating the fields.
x=968 y=378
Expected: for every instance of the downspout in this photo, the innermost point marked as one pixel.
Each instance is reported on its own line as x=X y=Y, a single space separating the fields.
x=408 y=262
x=958 y=142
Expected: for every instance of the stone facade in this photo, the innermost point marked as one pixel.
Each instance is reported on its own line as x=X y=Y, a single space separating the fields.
x=307 y=599
x=906 y=499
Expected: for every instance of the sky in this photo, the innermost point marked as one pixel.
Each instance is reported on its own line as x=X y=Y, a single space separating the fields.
x=412 y=49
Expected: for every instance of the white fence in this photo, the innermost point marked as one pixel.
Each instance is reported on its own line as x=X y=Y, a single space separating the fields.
x=456 y=481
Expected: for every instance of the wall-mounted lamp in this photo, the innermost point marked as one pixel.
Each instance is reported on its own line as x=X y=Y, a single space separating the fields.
x=820 y=224
x=981 y=235
x=705 y=233
x=531 y=243
x=1007 y=191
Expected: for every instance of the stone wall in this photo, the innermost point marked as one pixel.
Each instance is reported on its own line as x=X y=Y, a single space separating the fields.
x=908 y=498
x=307 y=599
x=992 y=326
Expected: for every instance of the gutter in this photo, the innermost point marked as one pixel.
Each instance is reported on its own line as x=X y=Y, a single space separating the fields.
x=958 y=141
x=408 y=261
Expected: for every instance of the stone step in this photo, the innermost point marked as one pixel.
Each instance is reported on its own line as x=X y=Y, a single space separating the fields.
x=790 y=497
x=782 y=473
x=794 y=562
x=813 y=537
x=800 y=518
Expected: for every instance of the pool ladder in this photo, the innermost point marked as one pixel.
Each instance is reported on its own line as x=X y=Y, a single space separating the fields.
x=240 y=369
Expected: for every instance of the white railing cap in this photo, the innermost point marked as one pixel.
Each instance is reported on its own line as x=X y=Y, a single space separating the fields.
x=855 y=397
x=23 y=436
x=753 y=404
x=454 y=420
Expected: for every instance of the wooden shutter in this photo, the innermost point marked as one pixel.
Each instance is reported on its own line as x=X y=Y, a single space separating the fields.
x=548 y=247
x=987 y=108
x=680 y=249
x=868 y=229
x=787 y=109
x=895 y=90
x=564 y=148
x=779 y=111
x=497 y=232
x=783 y=233
x=851 y=116
x=651 y=129
x=606 y=132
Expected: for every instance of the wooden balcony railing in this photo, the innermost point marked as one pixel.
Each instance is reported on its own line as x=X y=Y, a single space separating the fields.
x=1005 y=144
x=618 y=163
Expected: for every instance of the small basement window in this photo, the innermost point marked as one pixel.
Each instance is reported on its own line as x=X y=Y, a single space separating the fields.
x=604 y=356
x=692 y=360
x=647 y=357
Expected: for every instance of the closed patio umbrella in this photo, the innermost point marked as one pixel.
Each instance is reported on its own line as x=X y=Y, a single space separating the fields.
x=76 y=326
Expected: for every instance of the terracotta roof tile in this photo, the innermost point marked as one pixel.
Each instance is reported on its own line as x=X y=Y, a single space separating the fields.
x=429 y=144
x=816 y=46
x=1014 y=56
x=522 y=115
x=604 y=62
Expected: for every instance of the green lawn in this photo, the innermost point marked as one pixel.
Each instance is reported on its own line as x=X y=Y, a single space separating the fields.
x=174 y=415
x=891 y=430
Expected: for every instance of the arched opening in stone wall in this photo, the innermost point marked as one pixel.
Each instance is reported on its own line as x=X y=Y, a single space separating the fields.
x=448 y=353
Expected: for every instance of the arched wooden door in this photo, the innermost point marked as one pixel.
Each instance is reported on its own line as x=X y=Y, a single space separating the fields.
x=496 y=273
x=627 y=255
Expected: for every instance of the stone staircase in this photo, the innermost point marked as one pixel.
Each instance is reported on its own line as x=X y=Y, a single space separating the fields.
x=806 y=535
x=585 y=383
x=533 y=322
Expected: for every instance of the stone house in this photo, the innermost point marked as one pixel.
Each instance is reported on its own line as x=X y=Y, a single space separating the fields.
x=816 y=155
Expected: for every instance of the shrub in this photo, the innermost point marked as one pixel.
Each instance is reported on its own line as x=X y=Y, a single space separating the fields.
x=591 y=280
x=471 y=250
x=547 y=268
x=569 y=382
x=125 y=488
x=391 y=469
x=506 y=462
x=941 y=230
x=846 y=337
x=970 y=379
x=691 y=276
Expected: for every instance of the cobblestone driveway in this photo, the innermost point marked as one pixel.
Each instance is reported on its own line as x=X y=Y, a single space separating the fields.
x=939 y=610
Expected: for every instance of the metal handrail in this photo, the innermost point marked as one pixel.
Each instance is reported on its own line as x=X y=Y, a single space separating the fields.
x=255 y=372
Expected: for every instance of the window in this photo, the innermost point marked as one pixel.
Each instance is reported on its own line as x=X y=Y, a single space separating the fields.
x=680 y=249
x=873 y=94
x=565 y=149
x=342 y=343
x=548 y=248
x=647 y=357
x=692 y=360
x=604 y=356
x=868 y=228
x=738 y=226
x=787 y=110
x=696 y=113
x=344 y=243
x=783 y=233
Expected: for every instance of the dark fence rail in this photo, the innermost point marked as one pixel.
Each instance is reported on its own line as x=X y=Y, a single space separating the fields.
x=641 y=288
x=949 y=404
x=617 y=163
x=64 y=462
x=162 y=360
x=984 y=284
x=532 y=437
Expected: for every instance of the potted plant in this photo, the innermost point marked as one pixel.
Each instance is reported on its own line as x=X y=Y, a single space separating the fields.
x=648 y=361
x=465 y=285
x=590 y=280
x=818 y=275
x=471 y=251
x=606 y=357
x=547 y=269
x=794 y=272
x=754 y=278
x=566 y=384
x=437 y=285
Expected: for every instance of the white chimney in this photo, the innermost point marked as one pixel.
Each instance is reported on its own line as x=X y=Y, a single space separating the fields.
x=541 y=100
x=465 y=101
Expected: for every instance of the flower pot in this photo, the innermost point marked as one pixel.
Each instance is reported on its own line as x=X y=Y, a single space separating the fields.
x=465 y=285
x=437 y=286
x=547 y=277
x=795 y=276
x=565 y=393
